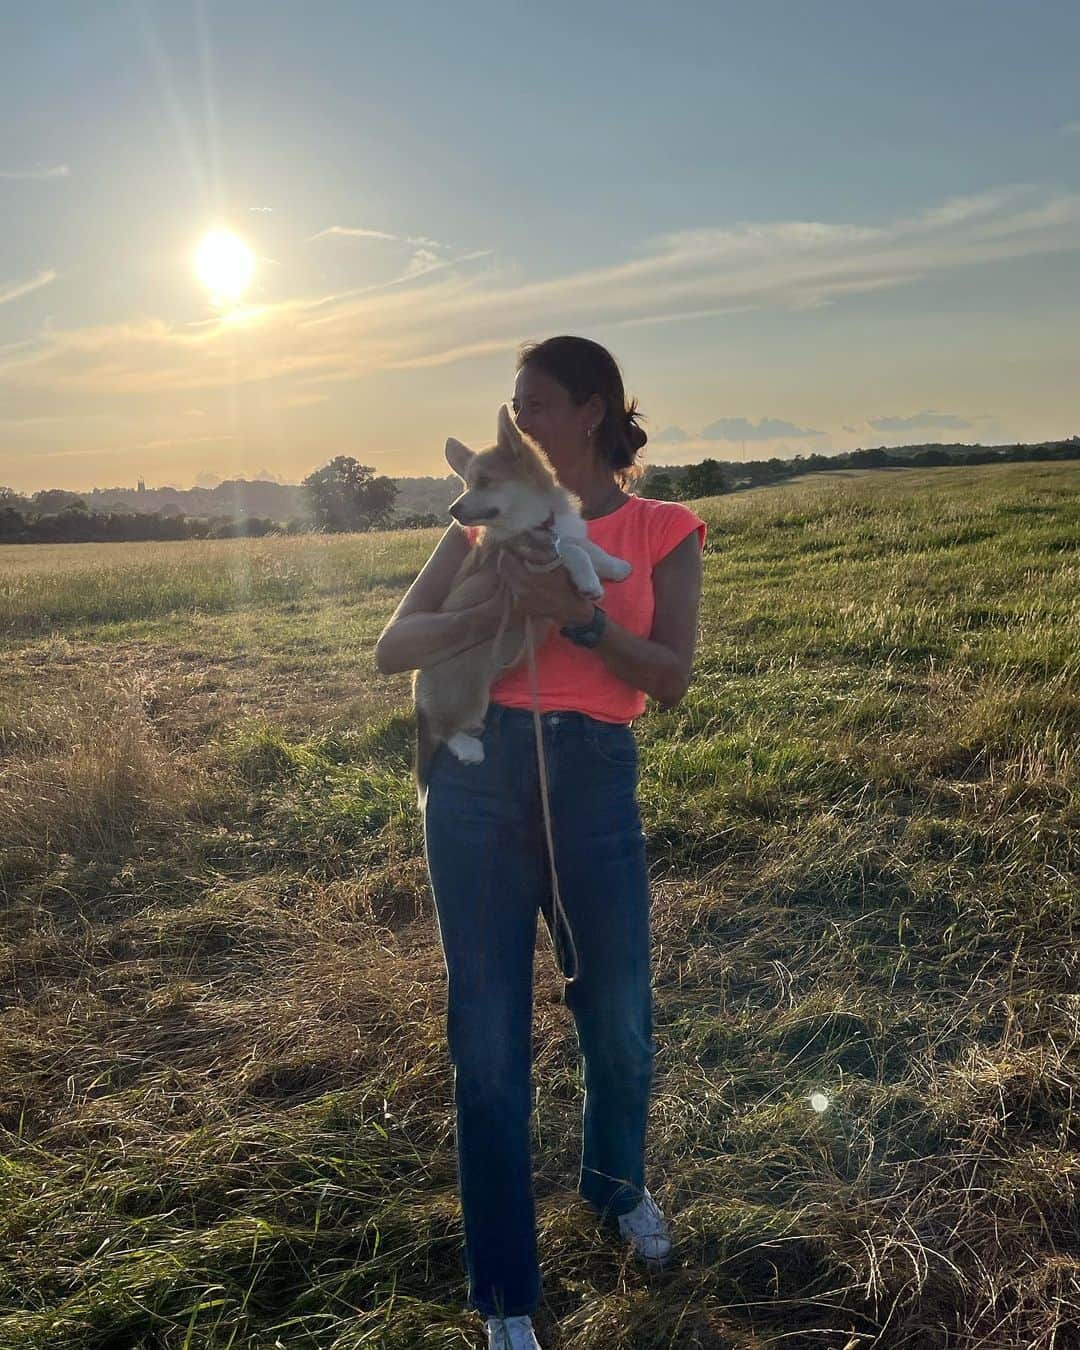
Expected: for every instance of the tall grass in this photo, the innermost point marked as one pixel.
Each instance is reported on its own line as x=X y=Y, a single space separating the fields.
x=226 y=1112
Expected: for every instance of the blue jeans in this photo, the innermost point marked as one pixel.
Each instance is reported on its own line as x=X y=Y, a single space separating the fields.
x=486 y=853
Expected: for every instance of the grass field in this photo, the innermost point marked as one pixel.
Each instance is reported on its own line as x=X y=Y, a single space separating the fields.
x=226 y=1113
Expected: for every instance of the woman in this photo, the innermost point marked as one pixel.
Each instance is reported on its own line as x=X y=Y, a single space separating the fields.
x=484 y=837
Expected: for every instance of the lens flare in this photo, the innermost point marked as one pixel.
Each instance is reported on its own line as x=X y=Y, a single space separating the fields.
x=819 y=1101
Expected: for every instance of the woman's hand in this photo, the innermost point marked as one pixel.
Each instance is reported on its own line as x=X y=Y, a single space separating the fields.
x=544 y=595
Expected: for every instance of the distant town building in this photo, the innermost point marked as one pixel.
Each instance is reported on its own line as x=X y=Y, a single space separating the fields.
x=142 y=486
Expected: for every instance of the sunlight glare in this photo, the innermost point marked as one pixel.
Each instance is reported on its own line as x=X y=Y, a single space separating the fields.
x=225 y=266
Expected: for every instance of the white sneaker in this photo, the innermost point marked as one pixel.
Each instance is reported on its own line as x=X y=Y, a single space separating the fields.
x=647 y=1229
x=511 y=1333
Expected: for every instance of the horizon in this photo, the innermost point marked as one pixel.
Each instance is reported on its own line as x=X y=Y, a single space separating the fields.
x=799 y=231
x=209 y=486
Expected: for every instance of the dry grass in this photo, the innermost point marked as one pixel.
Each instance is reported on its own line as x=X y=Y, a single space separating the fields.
x=225 y=1099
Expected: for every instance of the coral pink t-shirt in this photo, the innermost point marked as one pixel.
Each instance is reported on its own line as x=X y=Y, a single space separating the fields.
x=568 y=676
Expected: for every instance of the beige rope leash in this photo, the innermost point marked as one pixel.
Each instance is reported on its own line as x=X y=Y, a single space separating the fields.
x=557 y=904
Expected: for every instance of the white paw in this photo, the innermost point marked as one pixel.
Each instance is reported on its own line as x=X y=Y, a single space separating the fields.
x=594 y=594
x=620 y=570
x=467 y=748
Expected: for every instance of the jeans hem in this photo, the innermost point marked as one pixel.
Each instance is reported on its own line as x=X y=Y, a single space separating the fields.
x=605 y=1214
x=494 y=1312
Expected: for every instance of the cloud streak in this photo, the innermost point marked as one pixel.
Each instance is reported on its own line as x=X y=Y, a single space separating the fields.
x=421 y=240
x=927 y=419
x=20 y=288
x=36 y=175
x=438 y=312
x=767 y=429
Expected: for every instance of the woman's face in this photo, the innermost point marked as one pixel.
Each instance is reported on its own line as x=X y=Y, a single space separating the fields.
x=543 y=409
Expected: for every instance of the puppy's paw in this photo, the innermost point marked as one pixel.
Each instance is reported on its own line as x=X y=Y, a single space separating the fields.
x=620 y=569
x=467 y=748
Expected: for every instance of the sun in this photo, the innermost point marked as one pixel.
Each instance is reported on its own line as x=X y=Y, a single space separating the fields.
x=225 y=265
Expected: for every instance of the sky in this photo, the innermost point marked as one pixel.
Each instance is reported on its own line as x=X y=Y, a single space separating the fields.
x=798 y=227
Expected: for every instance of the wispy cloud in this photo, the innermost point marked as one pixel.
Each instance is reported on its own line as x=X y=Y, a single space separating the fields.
x=46 y=419
x=681 y=315
x=183 y=440
x=424 y=260
x=14 y=291
x=441 y=312
x=161 y=444
x=356 y=232
x=767 y=429
x=919 y=420
x=37 y=174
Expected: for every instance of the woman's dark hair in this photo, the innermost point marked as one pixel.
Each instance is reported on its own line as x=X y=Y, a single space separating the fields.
x=585 y=368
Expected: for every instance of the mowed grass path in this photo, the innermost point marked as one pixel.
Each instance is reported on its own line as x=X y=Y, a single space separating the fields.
x=225 y=1100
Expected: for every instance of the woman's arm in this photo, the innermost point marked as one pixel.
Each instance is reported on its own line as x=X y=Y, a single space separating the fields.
x=430 y=625
x=422 y=639
x=677 y=599
x=642 y=663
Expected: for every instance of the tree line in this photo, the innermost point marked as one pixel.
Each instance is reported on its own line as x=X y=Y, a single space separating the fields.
x=346 y=496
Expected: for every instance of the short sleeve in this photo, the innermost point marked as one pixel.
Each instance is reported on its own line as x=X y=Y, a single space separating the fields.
x=674 y=522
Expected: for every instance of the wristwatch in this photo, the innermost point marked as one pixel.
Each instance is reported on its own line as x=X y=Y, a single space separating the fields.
x=586 y=634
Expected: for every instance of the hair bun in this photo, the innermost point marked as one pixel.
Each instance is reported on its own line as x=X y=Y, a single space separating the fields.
x=635 y=434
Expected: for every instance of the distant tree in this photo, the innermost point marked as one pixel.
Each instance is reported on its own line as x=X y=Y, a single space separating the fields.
x=659 y=487
x=345 y=495
x=51 y=500
x=703 y=480
x=12 y=525
x=871 y=459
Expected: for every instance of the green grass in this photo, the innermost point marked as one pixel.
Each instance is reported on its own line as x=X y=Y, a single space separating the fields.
x=225 y=1099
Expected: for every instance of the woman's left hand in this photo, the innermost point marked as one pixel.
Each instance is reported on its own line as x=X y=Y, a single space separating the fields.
x=545 y=595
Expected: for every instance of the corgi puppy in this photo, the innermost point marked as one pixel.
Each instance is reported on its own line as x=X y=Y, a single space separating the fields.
x=513 y=493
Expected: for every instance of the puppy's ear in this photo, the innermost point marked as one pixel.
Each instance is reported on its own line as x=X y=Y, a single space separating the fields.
x=458 y=456
x=508 y=434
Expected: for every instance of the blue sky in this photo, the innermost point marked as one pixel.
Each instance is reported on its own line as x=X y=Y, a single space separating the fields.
x=797 y=226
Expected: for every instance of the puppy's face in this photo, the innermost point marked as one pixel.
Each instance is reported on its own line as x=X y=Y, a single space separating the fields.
x=508 y=487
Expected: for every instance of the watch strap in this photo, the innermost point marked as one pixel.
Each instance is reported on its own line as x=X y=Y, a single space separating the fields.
x=586 y=634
